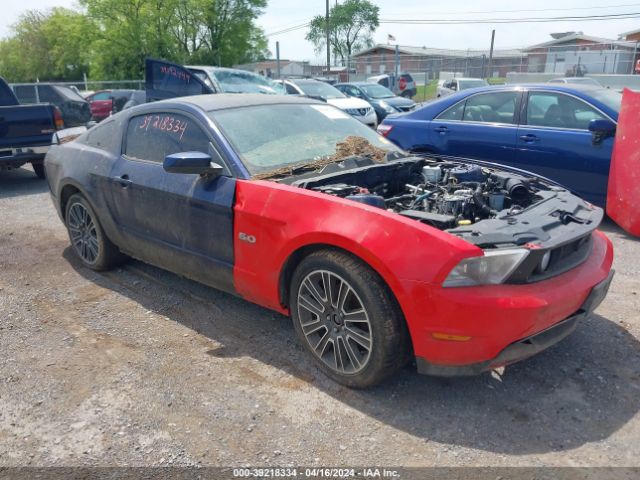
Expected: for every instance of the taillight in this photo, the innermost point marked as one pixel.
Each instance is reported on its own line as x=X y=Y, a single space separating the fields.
x=57 y=118
x=384 y=130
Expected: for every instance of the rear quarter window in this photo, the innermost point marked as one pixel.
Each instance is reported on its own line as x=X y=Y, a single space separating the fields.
x=104 y=136
x=453 y=113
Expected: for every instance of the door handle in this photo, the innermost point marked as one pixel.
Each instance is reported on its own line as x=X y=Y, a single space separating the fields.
x=529 y=138
x=123 y=180
x=442 y=129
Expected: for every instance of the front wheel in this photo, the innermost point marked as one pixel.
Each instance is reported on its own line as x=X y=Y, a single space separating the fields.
x=347 y=318
x=87 y=237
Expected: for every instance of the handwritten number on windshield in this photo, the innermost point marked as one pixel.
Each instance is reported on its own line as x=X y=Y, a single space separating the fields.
x=164 y=124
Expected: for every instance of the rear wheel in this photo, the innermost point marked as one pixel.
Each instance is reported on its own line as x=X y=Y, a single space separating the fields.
x=38 y=168
x=88 y=239
x=347 y=318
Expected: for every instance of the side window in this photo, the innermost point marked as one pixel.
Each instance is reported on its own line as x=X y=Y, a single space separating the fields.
x=47 y=94
x=291 y=89
x=152 y=137
x=26 y=93
x=101 y=96
x=204 y=77
x=104 y=136
x=548 y=109
x=499 y=107
x=354 y=92
x=452 y=113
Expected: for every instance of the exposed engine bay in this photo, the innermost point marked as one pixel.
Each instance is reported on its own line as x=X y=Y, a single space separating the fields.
x=485 y=205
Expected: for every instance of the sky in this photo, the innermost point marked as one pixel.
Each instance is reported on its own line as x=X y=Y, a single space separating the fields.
x=281 y=14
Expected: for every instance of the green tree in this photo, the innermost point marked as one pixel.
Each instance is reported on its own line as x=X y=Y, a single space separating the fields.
x=351 y=26
x=213 y=32
x=47 y=45
x=129 y=31
x=109 y=39
x=227 y=32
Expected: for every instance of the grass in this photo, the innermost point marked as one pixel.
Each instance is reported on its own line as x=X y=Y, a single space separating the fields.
x=429 y=91
x=426 y=92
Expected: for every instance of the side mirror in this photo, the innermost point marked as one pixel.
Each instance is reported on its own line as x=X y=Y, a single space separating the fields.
x=192 y=162
x=601 y=128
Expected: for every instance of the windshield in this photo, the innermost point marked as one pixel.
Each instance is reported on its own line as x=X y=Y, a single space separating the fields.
x=269 y=137
x=610 y=98
x=245 y=82
x=464 y=84
x=319 y=89
x=377 y=91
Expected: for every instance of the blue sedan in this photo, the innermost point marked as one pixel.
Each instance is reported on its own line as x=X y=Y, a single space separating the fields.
x=564 y=133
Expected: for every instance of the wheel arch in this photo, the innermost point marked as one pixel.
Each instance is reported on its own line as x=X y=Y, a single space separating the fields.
x=298 y=255
x=295 y=257
x=66 y=192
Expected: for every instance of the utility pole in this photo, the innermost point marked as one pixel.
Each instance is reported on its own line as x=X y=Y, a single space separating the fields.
x=328 y=39
x=278 y=60
x=493 y=36
x=397 y=61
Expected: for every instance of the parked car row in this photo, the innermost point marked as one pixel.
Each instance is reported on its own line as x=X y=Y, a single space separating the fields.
x=562 y=130
x=357 y=108
x=75 y=109
x=368 y=102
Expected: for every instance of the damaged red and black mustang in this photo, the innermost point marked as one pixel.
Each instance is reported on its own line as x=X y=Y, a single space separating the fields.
x=378 y=256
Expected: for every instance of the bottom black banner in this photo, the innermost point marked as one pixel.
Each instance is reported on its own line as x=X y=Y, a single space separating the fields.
x=366 y=473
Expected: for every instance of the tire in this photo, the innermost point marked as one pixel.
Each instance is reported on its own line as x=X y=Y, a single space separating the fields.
x=87 y=237
x=360 y=352
x=38 y=168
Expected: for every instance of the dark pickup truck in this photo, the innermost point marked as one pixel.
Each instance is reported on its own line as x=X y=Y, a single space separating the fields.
x=25 y=131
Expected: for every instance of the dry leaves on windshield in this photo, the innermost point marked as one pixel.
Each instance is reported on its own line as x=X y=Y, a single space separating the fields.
x=350 y=146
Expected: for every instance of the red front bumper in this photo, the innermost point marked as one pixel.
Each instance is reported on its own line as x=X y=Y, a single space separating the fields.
x=495 y=317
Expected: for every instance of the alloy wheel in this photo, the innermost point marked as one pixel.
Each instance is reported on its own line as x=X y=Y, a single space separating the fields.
x=334 y=321
x=84 y=236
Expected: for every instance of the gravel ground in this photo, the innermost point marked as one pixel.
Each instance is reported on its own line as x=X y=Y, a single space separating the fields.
x=140 y=367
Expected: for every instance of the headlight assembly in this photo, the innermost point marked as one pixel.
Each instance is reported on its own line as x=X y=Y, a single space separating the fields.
x=388 y=108
x=493 y=268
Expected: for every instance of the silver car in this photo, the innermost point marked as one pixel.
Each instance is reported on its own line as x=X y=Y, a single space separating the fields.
x=453 y=85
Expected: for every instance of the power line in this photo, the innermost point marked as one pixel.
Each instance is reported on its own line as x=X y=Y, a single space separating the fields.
x=287 y=30
x=457 y=21
x=528 y=10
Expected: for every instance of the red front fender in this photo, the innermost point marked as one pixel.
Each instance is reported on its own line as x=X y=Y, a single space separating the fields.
x=271 y=221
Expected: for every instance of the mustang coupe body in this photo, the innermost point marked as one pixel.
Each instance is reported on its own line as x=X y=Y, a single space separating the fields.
x=378 y=256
